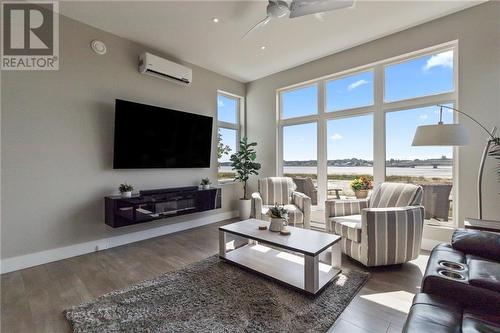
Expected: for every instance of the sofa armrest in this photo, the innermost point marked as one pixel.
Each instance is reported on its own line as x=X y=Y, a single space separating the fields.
x=335 y=208
x=257 y=205
x=303 y=202
x=479 y=243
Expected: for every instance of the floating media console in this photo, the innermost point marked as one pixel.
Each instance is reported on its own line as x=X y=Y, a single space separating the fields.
x=158 y=204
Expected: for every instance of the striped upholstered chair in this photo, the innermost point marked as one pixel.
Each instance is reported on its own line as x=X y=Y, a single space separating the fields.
x=385 y=229
x=281 y=190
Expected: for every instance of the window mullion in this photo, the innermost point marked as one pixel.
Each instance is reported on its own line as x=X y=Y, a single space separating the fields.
x=321 y=146
x=379 y=127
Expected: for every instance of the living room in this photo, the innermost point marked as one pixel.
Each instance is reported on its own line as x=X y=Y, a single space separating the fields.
x=141 y=160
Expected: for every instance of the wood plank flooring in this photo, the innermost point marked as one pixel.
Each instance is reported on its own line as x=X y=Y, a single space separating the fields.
x=32 y=299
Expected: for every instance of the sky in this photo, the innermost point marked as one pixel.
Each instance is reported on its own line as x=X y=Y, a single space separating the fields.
x=353 y=137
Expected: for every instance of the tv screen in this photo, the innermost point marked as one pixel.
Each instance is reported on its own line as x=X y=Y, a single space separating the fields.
x=152 y=137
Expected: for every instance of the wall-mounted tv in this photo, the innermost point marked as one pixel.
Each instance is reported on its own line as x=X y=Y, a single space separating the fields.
x=152 y=137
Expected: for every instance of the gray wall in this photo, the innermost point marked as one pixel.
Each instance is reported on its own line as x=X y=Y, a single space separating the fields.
x=478 y=32
x=57 y=141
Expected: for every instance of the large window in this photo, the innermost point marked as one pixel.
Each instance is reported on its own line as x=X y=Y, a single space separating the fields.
x=361 y=122
x=228 y=132
x=350 y=152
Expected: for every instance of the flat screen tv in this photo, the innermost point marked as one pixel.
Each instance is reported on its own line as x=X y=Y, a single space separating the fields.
x=152 y=137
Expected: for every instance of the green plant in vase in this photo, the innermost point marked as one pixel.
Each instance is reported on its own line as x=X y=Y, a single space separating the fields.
x=126 y=190
x=244 y=164
x=279 y=217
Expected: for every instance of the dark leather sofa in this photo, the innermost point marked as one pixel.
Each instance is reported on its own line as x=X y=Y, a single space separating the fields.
x=461 y=287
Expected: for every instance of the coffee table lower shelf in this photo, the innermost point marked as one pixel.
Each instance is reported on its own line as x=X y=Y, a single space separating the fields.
x=278 y=265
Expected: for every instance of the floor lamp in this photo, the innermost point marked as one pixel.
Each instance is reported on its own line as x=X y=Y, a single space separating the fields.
x=456 y=135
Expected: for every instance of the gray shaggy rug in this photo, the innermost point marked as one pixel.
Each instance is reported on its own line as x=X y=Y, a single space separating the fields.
x=214 y=296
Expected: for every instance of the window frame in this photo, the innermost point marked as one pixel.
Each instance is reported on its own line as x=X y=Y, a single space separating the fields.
x=379 y=109
x=239 y=126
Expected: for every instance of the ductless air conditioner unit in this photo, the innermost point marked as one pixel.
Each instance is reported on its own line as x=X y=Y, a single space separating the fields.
x=164 y=69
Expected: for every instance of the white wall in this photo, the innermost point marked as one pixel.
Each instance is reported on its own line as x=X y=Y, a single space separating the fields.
x=478 y=31
x=57 y=142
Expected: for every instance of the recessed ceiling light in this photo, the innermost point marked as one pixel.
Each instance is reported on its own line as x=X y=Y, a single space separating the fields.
x=263 y=47
x=215 y=20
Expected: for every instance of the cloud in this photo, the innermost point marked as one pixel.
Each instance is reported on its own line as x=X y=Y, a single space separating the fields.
x=336 y=136
x=444 y=59
x=220 y=103
x=356 y=84
x=423 y=116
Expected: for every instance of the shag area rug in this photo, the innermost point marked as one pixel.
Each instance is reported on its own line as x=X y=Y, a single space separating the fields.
x=214 y=296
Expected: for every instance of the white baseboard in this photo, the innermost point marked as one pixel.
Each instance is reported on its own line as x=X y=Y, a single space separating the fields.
x=38 y=258
x=429 y=244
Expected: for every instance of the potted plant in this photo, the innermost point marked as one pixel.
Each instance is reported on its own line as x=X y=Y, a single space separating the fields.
x=360 y=186
x=244 y=165
x=205 y=183
x=126 y=190
x=279 y=217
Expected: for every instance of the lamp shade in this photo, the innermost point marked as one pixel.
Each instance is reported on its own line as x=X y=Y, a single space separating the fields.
x=440 y=135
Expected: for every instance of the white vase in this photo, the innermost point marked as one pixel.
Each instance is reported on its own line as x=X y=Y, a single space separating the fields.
x=245 y=209
x=206 y=187
x=276 y=224
x=127 y=194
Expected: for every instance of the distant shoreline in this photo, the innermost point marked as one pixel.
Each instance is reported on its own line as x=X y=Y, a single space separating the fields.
x=442 y=172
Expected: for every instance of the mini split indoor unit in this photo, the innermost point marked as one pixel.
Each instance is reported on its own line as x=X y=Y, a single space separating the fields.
x=164 y=69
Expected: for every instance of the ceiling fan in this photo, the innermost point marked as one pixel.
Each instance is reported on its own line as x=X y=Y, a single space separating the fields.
x=296 y=8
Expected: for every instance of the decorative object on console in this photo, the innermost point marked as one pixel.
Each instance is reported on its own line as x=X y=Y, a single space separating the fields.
x=279 y=217
x=360 y=186
x=126 y=190
x=456 y=135
x=244 y=164
x=205 y=183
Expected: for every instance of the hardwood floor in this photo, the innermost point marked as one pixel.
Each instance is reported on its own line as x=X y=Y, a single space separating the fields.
x=32 y=299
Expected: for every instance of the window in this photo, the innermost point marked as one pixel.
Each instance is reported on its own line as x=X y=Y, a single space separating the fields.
x=430 y=167
x=299 y=151
x=423 y=76
x=349 y=92
x=300 y=102
x=228 y=133
x=361 y=123
x=349 y=151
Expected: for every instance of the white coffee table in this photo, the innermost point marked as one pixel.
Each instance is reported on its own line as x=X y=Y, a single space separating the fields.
x=301 y=269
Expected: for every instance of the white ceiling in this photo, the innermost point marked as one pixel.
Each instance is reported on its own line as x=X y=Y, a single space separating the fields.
x=184 y=30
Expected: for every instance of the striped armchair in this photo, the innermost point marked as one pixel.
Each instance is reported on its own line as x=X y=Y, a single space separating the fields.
x=281 y=190
x=385 y=229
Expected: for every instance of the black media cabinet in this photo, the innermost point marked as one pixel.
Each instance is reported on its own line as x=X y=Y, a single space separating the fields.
x=158 y=204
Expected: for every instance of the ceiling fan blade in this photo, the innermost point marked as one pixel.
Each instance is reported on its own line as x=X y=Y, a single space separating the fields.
x=305 y=7
x=261 y=23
